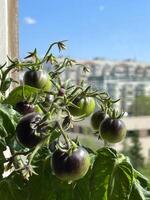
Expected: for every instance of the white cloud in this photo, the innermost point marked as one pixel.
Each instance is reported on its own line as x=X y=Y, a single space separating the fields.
x=30 y=20
x=101 y=8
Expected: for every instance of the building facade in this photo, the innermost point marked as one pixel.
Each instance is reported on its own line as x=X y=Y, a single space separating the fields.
x=123 y=80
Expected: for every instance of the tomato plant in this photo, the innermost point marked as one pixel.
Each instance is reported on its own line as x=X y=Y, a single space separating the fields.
x=46 y=161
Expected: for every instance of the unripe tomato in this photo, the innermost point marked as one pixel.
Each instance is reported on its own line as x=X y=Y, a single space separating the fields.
x=38 y=109
x=97 y=118
x=113 y=130
x=38 y=79
x=86 y=106
x=27 y=130
x=70 y=167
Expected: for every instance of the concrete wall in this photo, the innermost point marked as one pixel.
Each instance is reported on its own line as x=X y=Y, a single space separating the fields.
x=3 y=31
x=8 y=30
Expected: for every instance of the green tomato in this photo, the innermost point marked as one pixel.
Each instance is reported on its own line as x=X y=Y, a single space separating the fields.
x=38 y=79
x=86 y=106
x=38 y=109
x=112 y=130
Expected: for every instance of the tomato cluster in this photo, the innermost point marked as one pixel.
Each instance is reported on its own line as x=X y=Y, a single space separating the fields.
x=55 y=106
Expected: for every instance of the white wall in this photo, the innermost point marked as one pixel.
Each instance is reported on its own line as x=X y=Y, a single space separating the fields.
x=3 y=31
x=8 y=29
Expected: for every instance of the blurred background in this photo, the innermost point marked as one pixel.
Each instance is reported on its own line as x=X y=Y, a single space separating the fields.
x=112 y=39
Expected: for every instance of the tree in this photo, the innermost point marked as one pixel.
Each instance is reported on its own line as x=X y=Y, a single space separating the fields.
x=140 y=106
x=134 y=151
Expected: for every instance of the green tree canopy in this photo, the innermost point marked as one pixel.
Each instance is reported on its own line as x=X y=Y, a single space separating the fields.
x=140 y=106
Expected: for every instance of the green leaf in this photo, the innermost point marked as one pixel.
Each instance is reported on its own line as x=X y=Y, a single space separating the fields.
x=111 y=177
x=10 y=191
x=143 y=180
x=8 y=121
x=82 y=188
x=19 y=93
x=141 y=187
x=45 y=186
x=3 y=132
x=138 y=192
x=2 y=158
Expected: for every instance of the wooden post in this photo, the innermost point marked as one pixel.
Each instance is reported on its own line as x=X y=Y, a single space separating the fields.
x=8 y=30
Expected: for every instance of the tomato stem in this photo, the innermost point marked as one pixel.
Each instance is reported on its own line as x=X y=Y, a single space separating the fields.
x=105 y=143
x=64 y=135
x=38 y=147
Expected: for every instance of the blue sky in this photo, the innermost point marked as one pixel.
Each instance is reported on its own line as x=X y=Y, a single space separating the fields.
x=115 y=29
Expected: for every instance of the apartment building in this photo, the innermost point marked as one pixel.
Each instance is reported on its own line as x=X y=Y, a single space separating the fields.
x=125 y=79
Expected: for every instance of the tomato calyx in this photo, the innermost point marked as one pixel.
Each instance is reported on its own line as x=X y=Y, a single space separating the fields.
x=114 y=114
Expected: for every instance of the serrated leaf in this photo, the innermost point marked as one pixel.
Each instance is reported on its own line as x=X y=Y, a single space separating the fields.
x=10 y=191
x=16 y=95
x=45 y=186
x=143 y=180
x=2 y=158
x=110 y=172
x=3 y=132
x=8 y=120
x=138 y=192
x=141 y=187
x=82 y=188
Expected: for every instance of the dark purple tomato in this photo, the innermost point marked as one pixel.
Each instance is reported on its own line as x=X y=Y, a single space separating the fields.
x=97 y=118
x=113 y=130
x=27 y=130
x=70 y=166
x=23 y=107
x=38 y=79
